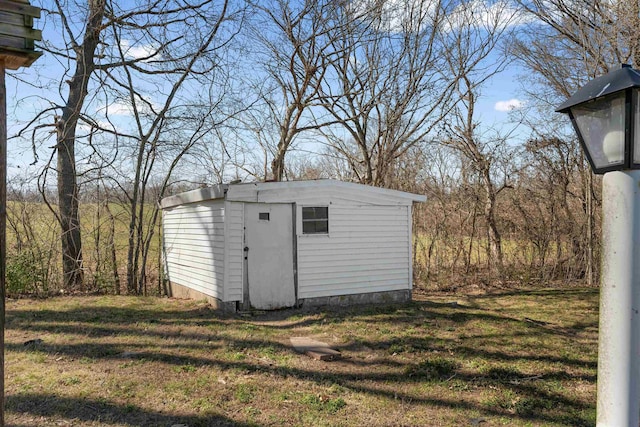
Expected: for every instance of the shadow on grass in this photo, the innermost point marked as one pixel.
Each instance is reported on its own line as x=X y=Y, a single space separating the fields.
x=538 y=402
x=59 y=408
x=427 y=372
x=568 y=291
x=90 y=323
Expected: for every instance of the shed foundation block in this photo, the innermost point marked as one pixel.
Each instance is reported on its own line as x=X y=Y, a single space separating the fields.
x=175 y=290
x=388 y=297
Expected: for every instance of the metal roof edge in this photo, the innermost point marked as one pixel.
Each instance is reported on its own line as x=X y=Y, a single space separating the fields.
x=220 y=191
x=260 y=186
x=386 y=191
x=194 y=196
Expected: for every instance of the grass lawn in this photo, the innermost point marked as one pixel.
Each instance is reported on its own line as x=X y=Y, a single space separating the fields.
x=516 y=359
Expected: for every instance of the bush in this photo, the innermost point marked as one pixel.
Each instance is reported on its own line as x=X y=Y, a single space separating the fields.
x=26 y=273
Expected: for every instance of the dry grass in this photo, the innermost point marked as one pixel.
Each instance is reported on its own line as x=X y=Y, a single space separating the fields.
x=34 y=257
x=517 y=359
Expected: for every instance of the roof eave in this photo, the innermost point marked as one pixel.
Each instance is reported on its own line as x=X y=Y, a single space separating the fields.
x=195 y=196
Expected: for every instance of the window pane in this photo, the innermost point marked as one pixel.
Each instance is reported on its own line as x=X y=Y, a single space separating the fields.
x=315 y=227
x=315 y=213
x=308 y=213
x=263 y=216
x=322 y=227
x=601 y=124
x=308 y=227
x=636 y=128
x=315 y=220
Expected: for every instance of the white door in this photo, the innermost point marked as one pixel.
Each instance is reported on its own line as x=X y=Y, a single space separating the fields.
x=269 y=246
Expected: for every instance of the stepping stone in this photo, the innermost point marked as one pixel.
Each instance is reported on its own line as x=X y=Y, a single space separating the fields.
x=315 y=349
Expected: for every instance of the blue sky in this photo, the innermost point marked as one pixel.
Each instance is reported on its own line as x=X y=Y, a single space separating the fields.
x=25 y=100
x=500 y=96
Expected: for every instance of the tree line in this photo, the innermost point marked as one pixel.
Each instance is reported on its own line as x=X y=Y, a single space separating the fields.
x=144 y=99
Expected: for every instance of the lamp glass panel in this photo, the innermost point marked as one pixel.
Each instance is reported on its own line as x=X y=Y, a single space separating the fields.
x=636 y=126
x=601 y=124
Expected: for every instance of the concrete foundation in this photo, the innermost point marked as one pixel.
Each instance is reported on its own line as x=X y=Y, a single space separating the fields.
x=176 y=290
x=388 y=297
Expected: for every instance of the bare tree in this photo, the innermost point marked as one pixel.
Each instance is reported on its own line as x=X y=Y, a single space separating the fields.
x=84 y=51
x=386 y=89
x=565 y=44
x=550 y=201
x=127 y=67
x=184 y=67
x=574 y=40
x=293 y=47
x=475 y=31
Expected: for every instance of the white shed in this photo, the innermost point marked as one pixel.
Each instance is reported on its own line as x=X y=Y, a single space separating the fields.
x=269 y=245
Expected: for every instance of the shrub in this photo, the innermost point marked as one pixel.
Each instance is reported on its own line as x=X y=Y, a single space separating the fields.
x=26 y=273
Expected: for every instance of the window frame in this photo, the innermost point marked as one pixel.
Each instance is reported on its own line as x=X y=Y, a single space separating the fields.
x=303 y=221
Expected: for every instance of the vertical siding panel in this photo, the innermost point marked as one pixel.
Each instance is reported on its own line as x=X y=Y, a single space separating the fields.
x=410 y=234
x=235 y=234
x=225 y=279
x=200 y=266
x=368 y=249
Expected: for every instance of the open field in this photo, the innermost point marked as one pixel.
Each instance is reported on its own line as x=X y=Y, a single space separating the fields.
x=517 y=359
x=33 y=248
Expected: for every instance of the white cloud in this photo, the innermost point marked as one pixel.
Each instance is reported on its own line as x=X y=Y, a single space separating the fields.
x=118 y=109
x=146 y=51
x=498 y=15
x=125 y=108
x=509 y=105
x=396 y=15
x=85 y=128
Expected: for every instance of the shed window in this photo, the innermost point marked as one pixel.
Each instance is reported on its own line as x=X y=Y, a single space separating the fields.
x=315 y=220
x=263 y=216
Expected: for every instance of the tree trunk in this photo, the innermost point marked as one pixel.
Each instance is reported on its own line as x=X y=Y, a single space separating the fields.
x=277 y=166
x=69 y=217
x=634 y=37
x=66 y=137
x=112 y=249
x=132 y=248
x=495 y=240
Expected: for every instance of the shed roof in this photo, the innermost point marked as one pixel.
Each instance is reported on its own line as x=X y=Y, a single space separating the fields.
x=194 y=196
x=291 y=191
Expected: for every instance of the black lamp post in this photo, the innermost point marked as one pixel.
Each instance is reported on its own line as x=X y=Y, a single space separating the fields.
x=606 y=116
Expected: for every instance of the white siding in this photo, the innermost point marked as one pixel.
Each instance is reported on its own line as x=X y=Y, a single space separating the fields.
x=367 y=250
x=235 y=254
x=194 y=244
